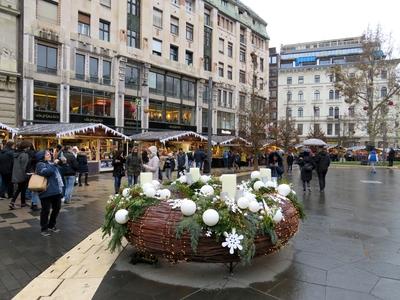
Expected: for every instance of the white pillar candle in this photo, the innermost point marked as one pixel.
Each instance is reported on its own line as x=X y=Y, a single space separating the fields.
x=145 y=177
x=195 y=172
x=265 y=172
x=229 y=184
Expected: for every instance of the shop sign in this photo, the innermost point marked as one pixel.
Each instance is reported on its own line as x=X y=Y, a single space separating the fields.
x=157 y=125
x=106 y=165
x=46 y=116
x=131 y=123
x=91 y=119
x=226 y=132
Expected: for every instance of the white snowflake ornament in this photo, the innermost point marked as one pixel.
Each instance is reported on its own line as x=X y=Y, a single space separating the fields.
x=232 y=241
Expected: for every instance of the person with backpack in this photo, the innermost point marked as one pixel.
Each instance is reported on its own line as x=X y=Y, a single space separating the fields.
x=6 y=168
x=307 y=165
x=373 y=160
x=70 y=166
x=133 y=166
x=322 y=162
x=182 y=161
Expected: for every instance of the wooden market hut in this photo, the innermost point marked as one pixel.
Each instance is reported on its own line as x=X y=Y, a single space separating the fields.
x=7 y=132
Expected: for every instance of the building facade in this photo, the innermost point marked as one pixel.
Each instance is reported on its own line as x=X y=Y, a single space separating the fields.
x=307 y=93
x=9 y=73
x=138 y=65
x=273 y=85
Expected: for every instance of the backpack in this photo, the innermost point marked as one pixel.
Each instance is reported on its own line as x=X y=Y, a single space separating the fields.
x=308 y=167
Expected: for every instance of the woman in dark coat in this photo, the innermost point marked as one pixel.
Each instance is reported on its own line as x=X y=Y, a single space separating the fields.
x=118 y=171
x=307 y=165
x=83 y=166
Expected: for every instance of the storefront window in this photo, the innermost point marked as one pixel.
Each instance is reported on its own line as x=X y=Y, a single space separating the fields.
x=172 y=113
x=225 y=120
x=189 y=115
x=155 y=111
x=173 y=86
x=90 y=102
x=132 y=108
x=45 y=96
x=156 y=83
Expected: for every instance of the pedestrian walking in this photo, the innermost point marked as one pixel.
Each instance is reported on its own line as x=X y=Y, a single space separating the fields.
x=169 y=166
x=133 y=166
x=20 y=176
x=75 y=151
x=275 y=163
x=289 y=161
x=225 y=157
x=307 y=165
x=182 y=162
x=373 y=160
x=199 y=157
x=6 y=168
x=154 y=163
x=322 y=162
x=391 y=157
x=69 y=166
x=83 y=167
x=51 y=197
x=118 y=171
x=236 y=161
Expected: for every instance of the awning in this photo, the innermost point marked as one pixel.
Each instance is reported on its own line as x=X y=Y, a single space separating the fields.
x=166 y=136
x=62 y=130
x=228 y=139
x=13 y=131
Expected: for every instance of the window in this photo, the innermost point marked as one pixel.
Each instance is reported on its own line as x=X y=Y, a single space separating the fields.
x=106 y=72
x=230 y=100
x=225 y=98
x=272 y=94
x=337 y=95
x=90 y=102
x=175 y=2
x=336 y=112
x=173 y=86
x=300 y=96
x=242 y=77
x=131 y=77
x=225 y=120
x=242 y=55
x=337 y=129
x=206 y=93
x=272 y=60
x=189 y=32
x=300 y=80
x=316 y=95
x=331 y=78
x=157 y=18
x=156 y=111
x=261 y=64
x=242 y=102
x=352 y=129
x=261 y=83
x=173 y=53
x=289 y=112
x=104 y=30
x=221 y=45
x=106 y=3
x=45 y=96
x=331 y=95
x=351 y=111
x=330 y=112
x=46 y=59
x=47 y=11
x=316 y=111
x=174 y=25
x=189 y=115
x=131 y=108
x=188 y=89
x=189 y=58
x=157 y=47
x=300 y=112
x=132 y=38
x=317 y=79
x=300 y=129
x=383 y=91
x=289 y=96
x=219 y=98
x=225 y=23
x=229 y=74
x=384 y=74
x=79 y=66
x=230 y=49
x=94 y=69
x=133 y=7
x=83 y=24
x=224 y=3
x=189 y=6
x=156 y=83
x=289 y=80
x=207 y=16
x=329 y=129
x=221 y=69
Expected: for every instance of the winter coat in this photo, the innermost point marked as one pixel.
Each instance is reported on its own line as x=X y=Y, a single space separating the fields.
x=133 y=164
x=182 y=160
x=199 y=156
x=71 y=166
x=118 y=164
x=304 y=163
x=54 y=180
x=6 y=161
x=169 y=163
x=392 y=154
x=290 y=159
x=82 y=162
x=153 y=166
x=274 y=158
x=373 y=157
x=20 y=166
x=322 y=162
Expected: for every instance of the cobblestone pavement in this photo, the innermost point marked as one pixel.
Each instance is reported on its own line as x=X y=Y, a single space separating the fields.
x=347 y=248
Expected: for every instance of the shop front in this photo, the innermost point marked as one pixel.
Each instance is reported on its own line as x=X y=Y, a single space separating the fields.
x=226 y=143
x=98 y=140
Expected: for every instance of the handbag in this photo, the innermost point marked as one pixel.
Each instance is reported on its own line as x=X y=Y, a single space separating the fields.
x=37 y=183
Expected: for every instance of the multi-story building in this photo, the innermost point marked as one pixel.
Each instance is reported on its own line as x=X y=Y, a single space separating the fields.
x=307 y=93
x=273 y=85
x=135 y=64
x=9 y=53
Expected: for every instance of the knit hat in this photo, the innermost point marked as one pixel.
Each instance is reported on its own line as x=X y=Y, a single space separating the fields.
x=153 y=149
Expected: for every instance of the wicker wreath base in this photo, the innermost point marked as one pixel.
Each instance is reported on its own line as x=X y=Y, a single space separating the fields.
x=154 y=233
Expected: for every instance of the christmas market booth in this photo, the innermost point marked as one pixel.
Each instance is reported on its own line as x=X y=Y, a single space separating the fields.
x=6 y=132
x=98 y=140
x=235 y=144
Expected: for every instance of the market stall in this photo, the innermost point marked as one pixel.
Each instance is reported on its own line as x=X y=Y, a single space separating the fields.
x=235 y=144
x=6 y=132
x=98 y=140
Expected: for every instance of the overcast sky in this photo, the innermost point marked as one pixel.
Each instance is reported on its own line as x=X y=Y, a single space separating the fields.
x=293 y=21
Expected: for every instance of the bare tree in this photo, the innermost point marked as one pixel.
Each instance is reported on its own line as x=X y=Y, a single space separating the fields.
x=370 y=84
x=285 y=133
x=316 y=133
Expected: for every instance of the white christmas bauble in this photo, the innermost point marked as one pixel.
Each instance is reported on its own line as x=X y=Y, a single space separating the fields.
x=255 y=175
x=250 y=196
x=258 y=185
x=188 y=207
x=125 y=192
x=254 y=206
x=121 y=216
x=182 y=179
x=243 y=202
x=284 y=190
x=164 y=194
x=278 y=216
x=204 y=178
x=156 y=184
x=207 y=190
x=210 y=217
x=150 y=192
x=147 y=186
x=269 y=184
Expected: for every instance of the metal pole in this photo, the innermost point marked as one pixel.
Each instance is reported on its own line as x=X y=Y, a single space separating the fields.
x=209 y=119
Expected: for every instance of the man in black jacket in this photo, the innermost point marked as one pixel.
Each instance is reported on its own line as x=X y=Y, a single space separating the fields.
x=322 y=162
x=6 y=167
x=70 y=166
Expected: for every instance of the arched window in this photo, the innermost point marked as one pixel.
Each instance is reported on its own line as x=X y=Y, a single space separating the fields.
x=316 y=111
x=289 y=112
x=383 y=91
x=301 y=96
x=337 y=95
x=331 y=95
x=336 y=112
x=331 y=111
x=300 y=112
x=289 y=96
x=316 y=95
